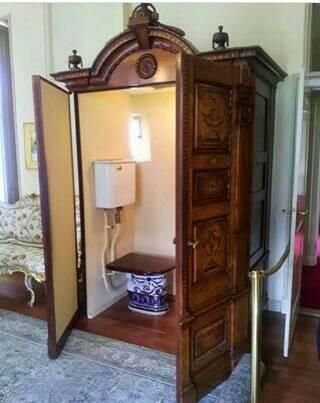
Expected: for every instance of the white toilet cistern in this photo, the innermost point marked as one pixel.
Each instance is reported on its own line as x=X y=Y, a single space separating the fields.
x=115 y=187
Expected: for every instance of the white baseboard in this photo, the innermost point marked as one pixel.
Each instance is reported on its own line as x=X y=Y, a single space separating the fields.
x=274 y=305
x=310 y=260
x=94 y=312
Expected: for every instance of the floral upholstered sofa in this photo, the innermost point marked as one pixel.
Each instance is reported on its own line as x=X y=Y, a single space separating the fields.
x=21 y=247
x=21 y=240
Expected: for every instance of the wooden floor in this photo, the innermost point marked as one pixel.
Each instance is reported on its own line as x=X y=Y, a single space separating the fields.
x=14 y=296
x=296 y=379
x=157 y=332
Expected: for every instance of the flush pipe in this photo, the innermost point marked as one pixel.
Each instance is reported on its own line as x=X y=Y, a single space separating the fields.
x=116 y=235
x=107 y=275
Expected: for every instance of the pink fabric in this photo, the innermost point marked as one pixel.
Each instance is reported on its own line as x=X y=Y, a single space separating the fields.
x=310 y=290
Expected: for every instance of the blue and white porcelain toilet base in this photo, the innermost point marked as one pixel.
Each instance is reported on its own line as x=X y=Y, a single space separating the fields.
x=147 y=281
x=147 y=293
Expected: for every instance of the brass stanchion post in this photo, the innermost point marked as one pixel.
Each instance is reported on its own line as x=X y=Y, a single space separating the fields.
x=256 y=277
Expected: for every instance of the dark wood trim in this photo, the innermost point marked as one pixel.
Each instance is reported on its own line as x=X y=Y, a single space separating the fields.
x=272 y=107
x=82 y=279
x=142 y=264
x=45 y=211
x=55 y=350
x=53 y=84
x=262 y=64
x=185 y=389
x=74 y=198
x=108 y=87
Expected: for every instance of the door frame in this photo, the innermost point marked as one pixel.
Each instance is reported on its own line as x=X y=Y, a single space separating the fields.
x=298 y=116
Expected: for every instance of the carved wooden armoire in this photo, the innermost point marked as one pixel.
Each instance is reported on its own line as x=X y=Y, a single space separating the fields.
x=224 y=135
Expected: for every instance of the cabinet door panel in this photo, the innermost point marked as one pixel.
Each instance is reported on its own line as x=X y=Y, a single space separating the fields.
x=54 y=146
x=214 y=147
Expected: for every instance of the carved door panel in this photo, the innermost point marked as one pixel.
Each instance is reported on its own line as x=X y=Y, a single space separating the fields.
x=53 y=130
x=214 y=148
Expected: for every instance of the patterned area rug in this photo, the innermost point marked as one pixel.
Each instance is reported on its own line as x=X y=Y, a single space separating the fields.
x=91 y=369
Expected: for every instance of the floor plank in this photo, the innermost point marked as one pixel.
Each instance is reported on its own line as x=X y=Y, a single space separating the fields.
x=14 y=296
x=295 y=379
x=157 y=332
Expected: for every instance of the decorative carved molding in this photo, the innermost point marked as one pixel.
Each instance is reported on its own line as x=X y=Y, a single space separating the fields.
x=210 y=335
x=210 y=338
x=143 y=16
x=186 y=129
x=211 y=186
x=257 y=58
x=212 y=118
x=146 y=66
x=245 y=74
x=212 y=254
x=245 y=115
x=144 y=32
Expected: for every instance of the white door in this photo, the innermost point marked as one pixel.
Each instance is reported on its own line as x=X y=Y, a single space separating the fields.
x=297 y=216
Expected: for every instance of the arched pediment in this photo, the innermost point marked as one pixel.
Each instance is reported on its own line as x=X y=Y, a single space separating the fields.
x=145 y=35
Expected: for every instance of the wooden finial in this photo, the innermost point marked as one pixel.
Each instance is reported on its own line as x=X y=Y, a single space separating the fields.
x=74 y=61
x=220 y=39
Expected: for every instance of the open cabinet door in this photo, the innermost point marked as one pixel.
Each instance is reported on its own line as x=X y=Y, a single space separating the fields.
x=297 y=216
x=54 y=145
x=214 y=158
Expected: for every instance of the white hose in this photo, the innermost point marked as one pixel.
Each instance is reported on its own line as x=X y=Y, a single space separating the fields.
x=106 y=228
x=107 y=275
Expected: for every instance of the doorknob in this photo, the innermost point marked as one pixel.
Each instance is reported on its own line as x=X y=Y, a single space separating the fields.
x=193 y=244
x=303 y=213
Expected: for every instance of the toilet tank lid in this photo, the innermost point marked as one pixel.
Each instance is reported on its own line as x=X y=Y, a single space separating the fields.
x=115 y=161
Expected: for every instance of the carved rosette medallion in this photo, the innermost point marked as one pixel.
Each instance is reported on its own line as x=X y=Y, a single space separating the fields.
x=146 y=66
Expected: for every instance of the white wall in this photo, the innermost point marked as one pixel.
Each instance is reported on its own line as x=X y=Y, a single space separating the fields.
x=149 y=225
x=42 y=37
x=104 y=121
x=155 y=204
x=278 y=28
x=85 y=27
x=28 y=58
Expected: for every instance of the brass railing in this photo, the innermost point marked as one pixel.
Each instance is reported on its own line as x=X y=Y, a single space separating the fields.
x=256 y=277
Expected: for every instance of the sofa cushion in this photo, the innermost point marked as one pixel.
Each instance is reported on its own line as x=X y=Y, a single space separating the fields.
x=27 y=259
x=21 y=222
